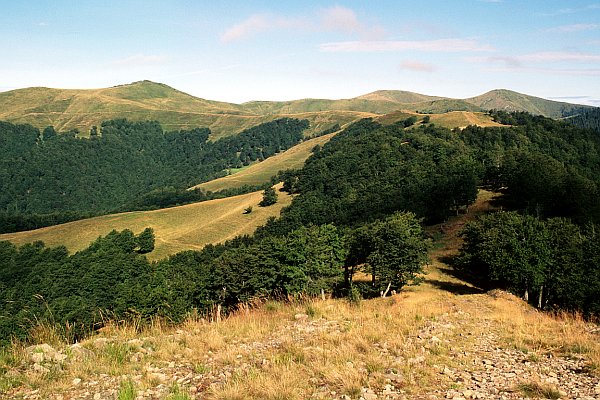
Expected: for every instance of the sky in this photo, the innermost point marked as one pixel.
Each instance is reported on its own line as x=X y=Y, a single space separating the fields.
x=238 y=51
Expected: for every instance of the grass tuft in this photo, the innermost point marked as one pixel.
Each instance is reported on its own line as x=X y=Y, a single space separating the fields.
x=127 y=390
x=534 y=389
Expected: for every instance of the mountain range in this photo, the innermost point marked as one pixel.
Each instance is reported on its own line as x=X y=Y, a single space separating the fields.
x=67 y=109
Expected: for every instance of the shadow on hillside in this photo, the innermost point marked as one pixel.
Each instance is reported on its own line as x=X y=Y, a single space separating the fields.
x=454 y=287
x=463 y=275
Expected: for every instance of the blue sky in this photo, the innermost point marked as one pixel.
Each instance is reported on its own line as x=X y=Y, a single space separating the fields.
x=279 y=50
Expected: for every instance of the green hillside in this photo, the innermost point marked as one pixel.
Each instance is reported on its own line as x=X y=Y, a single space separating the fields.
x=507 y=100
x=67 y=109
x=260 y=173
x=177 y=229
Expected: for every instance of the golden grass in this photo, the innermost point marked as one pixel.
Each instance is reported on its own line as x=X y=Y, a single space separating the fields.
x=451 y=119
x=188 y=227
x=326 y=348
x=262 y=172
x=461 y=119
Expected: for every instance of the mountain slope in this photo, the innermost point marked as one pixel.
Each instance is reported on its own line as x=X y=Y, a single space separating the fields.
x=145 y=100
x=507 y=100
x=442 y=339
x=259 y=173
x=187 y=227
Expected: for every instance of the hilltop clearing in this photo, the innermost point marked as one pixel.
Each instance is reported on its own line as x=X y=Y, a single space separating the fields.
x=442 y=339
x=187 y=227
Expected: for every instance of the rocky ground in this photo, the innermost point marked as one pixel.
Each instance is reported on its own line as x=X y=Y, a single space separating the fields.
x=490 y=369
x=471 y=345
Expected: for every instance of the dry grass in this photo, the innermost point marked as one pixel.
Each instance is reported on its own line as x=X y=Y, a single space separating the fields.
x=188 y=227
x=262 y=172
x=461 y=119
x=320 y=348
x=532 y=331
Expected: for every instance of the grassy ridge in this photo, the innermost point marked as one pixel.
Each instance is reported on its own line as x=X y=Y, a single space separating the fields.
x=452 y=119
x=262 y=172
x=69 y=108
x=180 y=228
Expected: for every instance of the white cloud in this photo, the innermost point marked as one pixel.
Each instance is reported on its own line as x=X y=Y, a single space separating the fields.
x=575 y=28
x=250 y=26
x=439 y=45
x=559 y=56
x=332 y=19
x=341 y=19
x=564 y=11
x=140 y=59
x=539 y=57
x=416 y=66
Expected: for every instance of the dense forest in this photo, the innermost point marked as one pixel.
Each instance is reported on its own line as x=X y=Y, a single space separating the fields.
x=360 y=205
x=588 y=118
x=51 y=178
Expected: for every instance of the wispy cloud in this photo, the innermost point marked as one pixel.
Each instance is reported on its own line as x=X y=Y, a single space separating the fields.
x=140 y=59
x=578 y=99
x=574 y=28
x=416 y=66
x=540 y=57
x=559 y=56
x=557 y=63
x=439 y=45
x=569 y=10
x=336 y=18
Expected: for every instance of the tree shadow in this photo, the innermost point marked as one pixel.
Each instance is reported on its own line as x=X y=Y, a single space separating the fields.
x=462 y=274
x=454 y=287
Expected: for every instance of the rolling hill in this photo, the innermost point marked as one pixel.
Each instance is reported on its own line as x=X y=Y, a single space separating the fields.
x=67 y=109
x=259 y=173
x=507 y=100
x=178 y=228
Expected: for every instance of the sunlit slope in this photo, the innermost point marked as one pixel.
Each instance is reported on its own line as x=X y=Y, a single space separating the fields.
x=507 y=100
x=452 y=119
x=180 y=228
x=260 y=173
x=67 y=109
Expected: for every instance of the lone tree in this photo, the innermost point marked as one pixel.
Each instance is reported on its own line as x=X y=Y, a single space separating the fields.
x=145 y=241
x=269 y=197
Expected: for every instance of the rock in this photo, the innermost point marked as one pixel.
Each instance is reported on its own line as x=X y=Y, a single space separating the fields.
x=300 y=317
x=416 y=360
x=158 y=377
x=76 y=381
x=37 y=358
x=78 y=352
x=40 y=368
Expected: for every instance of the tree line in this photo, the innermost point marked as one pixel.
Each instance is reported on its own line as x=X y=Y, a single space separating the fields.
x=112 y=279
x=360 y=203
x=48 y=177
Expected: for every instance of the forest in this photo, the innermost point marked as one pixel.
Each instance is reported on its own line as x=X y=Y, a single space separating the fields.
x=48 y=178
x=361 y=204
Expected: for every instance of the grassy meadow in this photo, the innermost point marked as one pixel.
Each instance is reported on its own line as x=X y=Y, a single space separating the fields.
x=186 y=227
x=262 y=172
x=424 y=341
